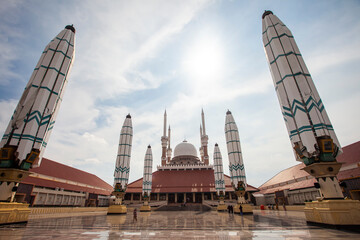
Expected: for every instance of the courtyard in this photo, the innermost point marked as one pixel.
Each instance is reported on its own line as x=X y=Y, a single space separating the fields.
x=263 y=224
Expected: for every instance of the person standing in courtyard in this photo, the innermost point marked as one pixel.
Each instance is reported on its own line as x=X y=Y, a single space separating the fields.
x=134 y=215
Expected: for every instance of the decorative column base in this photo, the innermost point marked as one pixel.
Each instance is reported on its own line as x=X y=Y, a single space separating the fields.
x=145 y=208
x=240 y=193
x=14 y=212
x=222 y=207
x=333 y=212
x=117 y=209
x=246 y=208
x=116 y=219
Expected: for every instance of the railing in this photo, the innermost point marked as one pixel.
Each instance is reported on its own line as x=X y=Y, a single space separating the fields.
x=184 y=166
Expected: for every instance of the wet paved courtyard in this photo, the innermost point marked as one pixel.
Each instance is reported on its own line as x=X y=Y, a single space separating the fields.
x=175 y=225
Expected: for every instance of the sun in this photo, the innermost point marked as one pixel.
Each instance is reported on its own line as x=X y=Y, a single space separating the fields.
x=203 y=59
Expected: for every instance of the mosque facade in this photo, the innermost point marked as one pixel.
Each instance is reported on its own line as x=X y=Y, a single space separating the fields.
x=184 y=176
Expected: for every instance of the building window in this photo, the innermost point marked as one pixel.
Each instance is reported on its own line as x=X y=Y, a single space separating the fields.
x=233 y=196
x=136 y=196
x=207 y=196
x=153 y=196
x=127 y=196
x=162 y=197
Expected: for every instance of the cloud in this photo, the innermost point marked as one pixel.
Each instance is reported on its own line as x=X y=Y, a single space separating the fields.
x=7 y=109
x=108 y=54
x=323 y=59
x=8 y=51
x=93 y=161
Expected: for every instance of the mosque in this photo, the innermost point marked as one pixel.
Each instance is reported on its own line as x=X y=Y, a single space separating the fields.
x=184 y=177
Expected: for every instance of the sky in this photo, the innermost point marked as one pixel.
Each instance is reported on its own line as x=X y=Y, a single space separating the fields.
x=142 y=57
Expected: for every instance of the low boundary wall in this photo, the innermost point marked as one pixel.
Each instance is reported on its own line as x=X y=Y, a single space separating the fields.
x=299 y=208
x=50 y=212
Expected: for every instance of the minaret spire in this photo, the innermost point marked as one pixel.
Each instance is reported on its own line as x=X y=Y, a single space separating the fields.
x=169 y=131
x=201 y=150
x=164 y=142
x=169 y=150
x=204 y=140
x=203 y=121
x=164 y=134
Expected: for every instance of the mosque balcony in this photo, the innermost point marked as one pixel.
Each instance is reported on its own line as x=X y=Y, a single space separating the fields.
x=184 y=167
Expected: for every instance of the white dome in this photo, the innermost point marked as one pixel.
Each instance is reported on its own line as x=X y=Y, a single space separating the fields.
x=185 y=149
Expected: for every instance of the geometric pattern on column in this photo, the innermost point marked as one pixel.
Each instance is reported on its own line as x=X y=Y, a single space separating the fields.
x=122 y=165
x=218 y=171
x=236 y=165
x=30 y=127
x=147 y=179
x=301 y=106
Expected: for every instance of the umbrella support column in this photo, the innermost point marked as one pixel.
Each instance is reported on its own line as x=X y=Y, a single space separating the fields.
x=332 y=208
x=145 y=207
x=241 y=203
x=221 y=207
x=12 y=212
x=118 y=207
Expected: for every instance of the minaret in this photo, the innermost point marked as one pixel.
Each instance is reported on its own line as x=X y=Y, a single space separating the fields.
x=164 y=141
x=147 y=180
x=204 y=140
x=169 y=150
x=236 y=165
x=311 y=134
x=122 y=166
x=29 y=129
x=201 y=150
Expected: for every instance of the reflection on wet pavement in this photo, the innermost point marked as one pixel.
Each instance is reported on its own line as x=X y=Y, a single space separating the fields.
x=175 y=225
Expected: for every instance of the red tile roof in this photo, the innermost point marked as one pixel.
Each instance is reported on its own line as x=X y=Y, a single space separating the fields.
x=351 y=173
x=292 y=186
x=182 y=181
x=351 y=154
x=51 y=184
x=68 y=178
x=285 y=179
x=288 y=174
x=350 y=159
